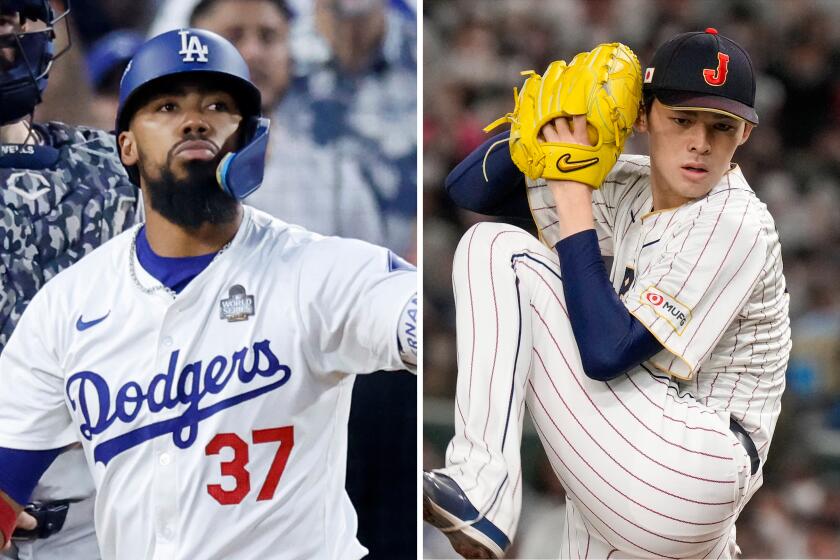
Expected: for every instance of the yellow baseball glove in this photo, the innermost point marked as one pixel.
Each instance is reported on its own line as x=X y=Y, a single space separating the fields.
x=604 y=84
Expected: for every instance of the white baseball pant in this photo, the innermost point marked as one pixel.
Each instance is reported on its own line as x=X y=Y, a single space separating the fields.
x=648 y=470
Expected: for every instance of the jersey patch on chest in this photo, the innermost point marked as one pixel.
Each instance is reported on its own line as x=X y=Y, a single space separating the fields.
x=239 y=306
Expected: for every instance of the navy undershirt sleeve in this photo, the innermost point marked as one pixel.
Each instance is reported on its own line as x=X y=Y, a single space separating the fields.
x=502 y=193
x=610 y=340
x=20 y=471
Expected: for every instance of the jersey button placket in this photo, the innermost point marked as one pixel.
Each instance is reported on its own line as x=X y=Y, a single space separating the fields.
x=164 y=460
x=166 y=491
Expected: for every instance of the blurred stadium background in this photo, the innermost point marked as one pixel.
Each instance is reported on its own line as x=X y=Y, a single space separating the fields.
x=473 y=52
x=342 y=160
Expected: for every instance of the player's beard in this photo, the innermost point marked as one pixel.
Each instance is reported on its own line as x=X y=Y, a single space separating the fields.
x=193 y=200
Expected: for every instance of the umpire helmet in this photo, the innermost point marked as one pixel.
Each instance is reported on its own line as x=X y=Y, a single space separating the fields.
x=26 y=57
x=199 y=52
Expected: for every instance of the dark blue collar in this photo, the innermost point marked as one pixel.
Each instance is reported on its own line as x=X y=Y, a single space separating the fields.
x=173 y=272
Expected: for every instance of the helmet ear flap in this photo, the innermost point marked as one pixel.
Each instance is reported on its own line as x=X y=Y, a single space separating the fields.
x=240 y=173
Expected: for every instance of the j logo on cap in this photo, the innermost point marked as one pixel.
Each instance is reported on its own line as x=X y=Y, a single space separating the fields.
x=703 y=71
x=717 y=77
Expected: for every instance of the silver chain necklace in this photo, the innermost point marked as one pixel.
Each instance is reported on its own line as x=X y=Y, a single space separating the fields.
x=160 y=287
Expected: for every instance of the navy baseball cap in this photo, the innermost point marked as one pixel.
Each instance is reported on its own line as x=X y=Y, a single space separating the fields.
x=111 y=52
x=703 y=71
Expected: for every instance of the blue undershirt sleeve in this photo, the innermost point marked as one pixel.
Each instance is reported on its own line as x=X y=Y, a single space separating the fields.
x=501 y=194
x=610 y=340
x=20 y=471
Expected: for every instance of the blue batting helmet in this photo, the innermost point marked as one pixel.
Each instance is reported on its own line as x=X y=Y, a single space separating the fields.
x=28 y=59
x=192 y=52
x=186 y=51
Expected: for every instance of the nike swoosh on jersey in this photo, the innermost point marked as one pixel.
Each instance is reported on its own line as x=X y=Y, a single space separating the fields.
x=82 y=325
x=564 y=165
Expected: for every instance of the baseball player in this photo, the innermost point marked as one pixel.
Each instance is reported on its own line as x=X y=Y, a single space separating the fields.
x=63 y=191
x=200 y=358
x=654 y=387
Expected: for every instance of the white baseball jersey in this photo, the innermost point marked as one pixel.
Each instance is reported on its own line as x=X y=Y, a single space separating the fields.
x=706 y=279
x=215 y=422
x=649 y=464
x=715 y=297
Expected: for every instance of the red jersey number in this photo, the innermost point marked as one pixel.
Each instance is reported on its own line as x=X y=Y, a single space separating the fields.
x=236 y=467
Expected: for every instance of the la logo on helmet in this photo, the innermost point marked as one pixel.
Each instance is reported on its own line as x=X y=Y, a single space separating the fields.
x=191 y=47
x=717 y=77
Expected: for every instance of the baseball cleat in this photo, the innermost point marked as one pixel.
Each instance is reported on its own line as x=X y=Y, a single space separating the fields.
x=446 y=507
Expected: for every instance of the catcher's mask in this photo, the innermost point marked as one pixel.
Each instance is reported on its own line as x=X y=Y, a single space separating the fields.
x=196 y=51
x=26 y=56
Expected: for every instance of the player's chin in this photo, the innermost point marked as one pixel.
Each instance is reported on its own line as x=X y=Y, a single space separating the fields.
x=696 y=185
x=690 y=191
x=192 y=171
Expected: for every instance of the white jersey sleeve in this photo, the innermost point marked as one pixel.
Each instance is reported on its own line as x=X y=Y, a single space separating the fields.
x=701 y=278
x=353 y=312
x=33 y=415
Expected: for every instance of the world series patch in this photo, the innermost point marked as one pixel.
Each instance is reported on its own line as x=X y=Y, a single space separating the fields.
x=667 y=307
x=239 y=306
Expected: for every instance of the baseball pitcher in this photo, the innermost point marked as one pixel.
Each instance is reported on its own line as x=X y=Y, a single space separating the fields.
x=203 y=358
x=654 y=382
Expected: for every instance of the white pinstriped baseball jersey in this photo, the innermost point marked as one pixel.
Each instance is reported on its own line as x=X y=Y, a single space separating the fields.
x=706 y=279
x=648 y=470
x=648 y=460
x=214 y=423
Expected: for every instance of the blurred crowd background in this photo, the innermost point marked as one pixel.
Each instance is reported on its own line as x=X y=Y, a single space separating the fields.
x=339 y=81
x=473 y=53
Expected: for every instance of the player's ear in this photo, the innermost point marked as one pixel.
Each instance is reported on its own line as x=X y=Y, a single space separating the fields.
x=747 y=130
x=128 y=148
x=641 y=121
